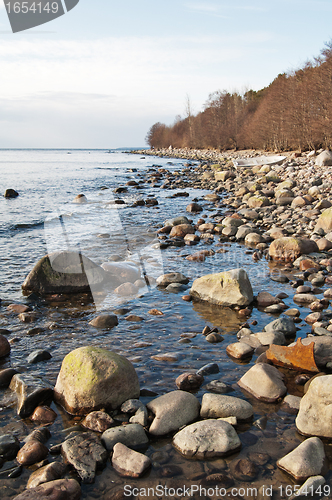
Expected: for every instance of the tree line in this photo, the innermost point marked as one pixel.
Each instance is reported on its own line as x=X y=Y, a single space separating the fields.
x=293 y=113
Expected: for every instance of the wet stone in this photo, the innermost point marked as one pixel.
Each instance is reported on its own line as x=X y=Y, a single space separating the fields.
x=217 y=406
x=214 y=338
x=98 y=421
x=41 y=434
x=31 y=453
x=189 y=381
x=243 y=469
x=217 y=479
x=207 y=439
x=39 y=355
x=172 y=411
x=308 y=459
x=259 y=458
x=6 y=376
x=60 y=489
x=132 y=435
x=4 y=347
x=218 y=387
x=85 y=453
x=9 y=446
x=209 y=369
x=239 y=350
x=170 y=471
x=104 y=321
x=43 y=414
x=45 y=474
x=31 y=392
x=128 y=462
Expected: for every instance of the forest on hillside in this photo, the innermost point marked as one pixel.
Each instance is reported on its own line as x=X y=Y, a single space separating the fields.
x=293 y=113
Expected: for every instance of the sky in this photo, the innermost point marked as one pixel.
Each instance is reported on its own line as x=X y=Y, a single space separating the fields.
x=101 y=75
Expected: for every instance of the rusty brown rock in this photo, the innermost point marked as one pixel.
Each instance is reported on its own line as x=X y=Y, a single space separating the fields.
x=296 y=357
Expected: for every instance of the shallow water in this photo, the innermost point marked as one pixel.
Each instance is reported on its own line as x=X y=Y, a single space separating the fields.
x=48 y=181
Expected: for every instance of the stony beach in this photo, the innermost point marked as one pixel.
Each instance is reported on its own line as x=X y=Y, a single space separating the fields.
x=240 y=399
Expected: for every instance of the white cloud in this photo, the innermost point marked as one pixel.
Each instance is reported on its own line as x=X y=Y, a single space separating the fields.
x=91 y=90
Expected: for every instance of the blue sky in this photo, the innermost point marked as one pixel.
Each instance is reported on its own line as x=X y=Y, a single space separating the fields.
x=102 y=74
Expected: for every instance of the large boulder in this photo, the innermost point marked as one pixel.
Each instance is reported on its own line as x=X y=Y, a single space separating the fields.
x=207 y=439
x=314 y=417
x=324 y=159
x=325 y=221
x=64 y=272
x=230 y=288
x=289 y=249
x=92 y=378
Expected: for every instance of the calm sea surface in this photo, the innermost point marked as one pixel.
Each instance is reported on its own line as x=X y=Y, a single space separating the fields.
x=47 y=182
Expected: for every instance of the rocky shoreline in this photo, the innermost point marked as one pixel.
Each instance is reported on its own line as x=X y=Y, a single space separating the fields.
x=282 y=214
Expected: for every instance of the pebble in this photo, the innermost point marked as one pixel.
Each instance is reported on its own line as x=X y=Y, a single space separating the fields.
x=31 y=453
x=39 y=355
x=214 y=338
x=98 y=421
x=189 y=381
x=105 y=321
x=243 y=469
x=209 y=369
x=43 y=414
x=239 y=350
x=218 y=387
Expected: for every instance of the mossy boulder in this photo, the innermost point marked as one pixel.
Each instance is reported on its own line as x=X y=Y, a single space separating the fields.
x=92 y=378
x=64 y=272
x=288 y=249
x=230 y=288
x=325 y=221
